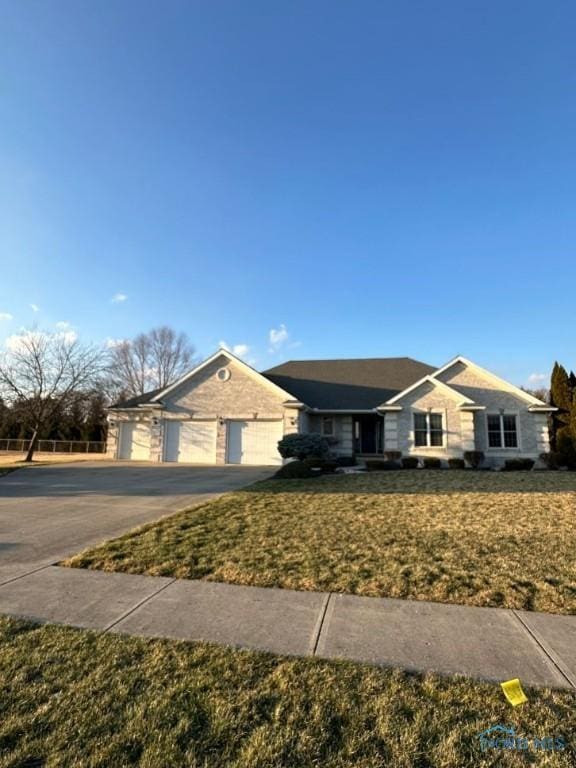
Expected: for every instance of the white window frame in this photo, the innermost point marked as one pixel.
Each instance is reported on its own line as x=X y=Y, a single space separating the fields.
x=503 y=447
x=323 y=431
x=427 y=414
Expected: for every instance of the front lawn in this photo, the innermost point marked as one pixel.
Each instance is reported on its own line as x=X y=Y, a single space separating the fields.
x=477 y=538
x=75 y=698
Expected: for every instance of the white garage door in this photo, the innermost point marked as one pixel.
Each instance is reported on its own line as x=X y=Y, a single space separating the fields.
x=254 y=442
x=134 y=441
x=190 y=441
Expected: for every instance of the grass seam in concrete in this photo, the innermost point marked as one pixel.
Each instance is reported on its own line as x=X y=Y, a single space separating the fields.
x=138 y=605
x=317 y=633
x=549 y=654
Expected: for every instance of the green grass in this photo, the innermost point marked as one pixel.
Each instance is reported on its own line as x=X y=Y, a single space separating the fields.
x=76 y=698
x=475 y=538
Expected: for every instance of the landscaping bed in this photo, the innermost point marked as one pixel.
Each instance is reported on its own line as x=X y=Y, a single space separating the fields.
x=474 y=538
x=70 y=697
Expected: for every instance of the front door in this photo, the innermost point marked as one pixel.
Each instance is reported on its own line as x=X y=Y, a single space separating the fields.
x=368 y=434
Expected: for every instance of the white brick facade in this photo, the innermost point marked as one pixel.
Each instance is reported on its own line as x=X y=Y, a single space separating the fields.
x=462 y=393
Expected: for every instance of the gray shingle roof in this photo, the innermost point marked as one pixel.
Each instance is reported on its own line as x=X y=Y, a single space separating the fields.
x=335 y=384
x=347 y=384
x=133 y=402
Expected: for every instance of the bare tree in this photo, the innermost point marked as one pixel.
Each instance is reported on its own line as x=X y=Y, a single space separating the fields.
x=149 y=361
x=44 y=374
x=542 y=393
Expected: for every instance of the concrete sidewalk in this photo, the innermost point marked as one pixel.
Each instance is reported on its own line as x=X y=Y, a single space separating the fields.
x=484 y=643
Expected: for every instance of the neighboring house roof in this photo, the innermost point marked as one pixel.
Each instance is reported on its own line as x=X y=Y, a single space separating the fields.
x=134 y=402
x=347 y=384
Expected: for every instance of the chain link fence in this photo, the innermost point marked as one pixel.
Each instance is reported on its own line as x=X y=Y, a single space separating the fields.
x=53 y=446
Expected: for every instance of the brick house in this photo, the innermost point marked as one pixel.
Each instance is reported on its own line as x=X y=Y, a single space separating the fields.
x=225 y=412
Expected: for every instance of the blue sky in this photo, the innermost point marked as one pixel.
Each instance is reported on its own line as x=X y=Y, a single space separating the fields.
x=364 y=179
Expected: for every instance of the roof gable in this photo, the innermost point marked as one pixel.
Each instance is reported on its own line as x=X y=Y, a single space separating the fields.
x=158 y=397
x=485 y=374
x=430 y=380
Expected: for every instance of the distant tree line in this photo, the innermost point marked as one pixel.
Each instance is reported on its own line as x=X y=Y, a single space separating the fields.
x=563 y=421
x=84 y=419
x=52 y=387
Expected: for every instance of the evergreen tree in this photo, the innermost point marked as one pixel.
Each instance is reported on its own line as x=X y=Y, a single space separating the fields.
x=561 y=396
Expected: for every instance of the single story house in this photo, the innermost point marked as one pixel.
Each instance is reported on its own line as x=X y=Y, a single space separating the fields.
x=225 y=412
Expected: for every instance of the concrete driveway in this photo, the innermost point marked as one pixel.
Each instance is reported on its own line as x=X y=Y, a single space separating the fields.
x=48 y=513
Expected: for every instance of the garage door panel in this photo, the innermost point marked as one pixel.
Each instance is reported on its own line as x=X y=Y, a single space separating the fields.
x=193 y=442
x=134 y=441
x=254 y=442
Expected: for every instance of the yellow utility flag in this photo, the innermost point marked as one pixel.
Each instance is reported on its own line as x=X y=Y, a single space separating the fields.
x=513 y=692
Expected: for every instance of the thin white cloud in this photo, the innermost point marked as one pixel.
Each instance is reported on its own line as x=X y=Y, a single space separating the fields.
x=280 y=340
x=15 y=342
x=68 y=336
x=278 y=336
x=34 y=307
x=62 y=325
x=6 y=316
x=240 y=350
x=537 y=378
x=118 y=298
x=112 y=343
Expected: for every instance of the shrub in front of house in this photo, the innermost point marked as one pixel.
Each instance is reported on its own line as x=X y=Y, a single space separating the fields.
x=326 y=466
x=456 y=463
x=346 y=461
x=552 y=459
x=518 y=465
x=303 y=446
x=380 y=465
x=566 y=448
x=295 y=470
x=410 y=462
x=474 y=458
x=392 y=455
x=431 y=462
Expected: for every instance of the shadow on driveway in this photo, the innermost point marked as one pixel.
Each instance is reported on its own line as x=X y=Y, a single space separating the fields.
x=51 y=512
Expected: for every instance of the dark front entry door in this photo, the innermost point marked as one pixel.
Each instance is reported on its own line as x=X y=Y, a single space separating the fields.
x=368 y=433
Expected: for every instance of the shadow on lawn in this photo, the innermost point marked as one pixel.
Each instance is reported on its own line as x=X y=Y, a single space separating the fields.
x=421 y=481
x=159 y=480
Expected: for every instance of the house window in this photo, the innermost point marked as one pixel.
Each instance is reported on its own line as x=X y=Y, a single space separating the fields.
x=428 y=430
x=328 y=426
x=502 y=431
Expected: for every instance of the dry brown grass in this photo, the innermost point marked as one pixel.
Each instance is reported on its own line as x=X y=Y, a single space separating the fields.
x=475 y=538
x=76 y=698
x=12 y=461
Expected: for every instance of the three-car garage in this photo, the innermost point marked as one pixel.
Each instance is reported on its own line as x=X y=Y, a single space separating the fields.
x=249 y=441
